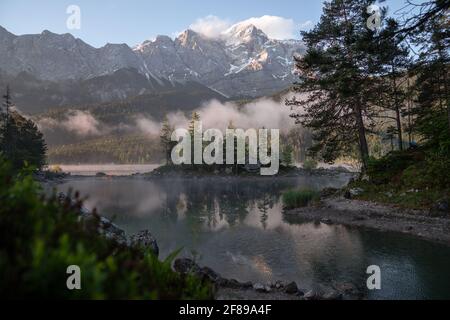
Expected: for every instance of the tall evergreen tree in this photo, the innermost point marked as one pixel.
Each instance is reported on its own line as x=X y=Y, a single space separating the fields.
x=166 y=139
x=395 y=61
x=21 y=141
x=431 y=112
x=336 y=80
x=195 y=118
x=7 y=144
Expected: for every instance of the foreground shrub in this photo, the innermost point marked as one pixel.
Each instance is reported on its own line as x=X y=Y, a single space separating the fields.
x=40 y=238
x=299 y=198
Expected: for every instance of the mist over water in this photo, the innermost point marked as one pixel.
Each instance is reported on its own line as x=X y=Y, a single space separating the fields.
x=262 y=113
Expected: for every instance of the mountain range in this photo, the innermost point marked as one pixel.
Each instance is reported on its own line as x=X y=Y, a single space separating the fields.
x=243 y=62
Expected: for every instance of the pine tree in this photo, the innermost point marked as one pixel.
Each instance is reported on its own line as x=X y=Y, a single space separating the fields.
x=22 y=142
x=395 y=61
x=166 y=139
x=336 y=80
x=7 y=144
x=195 y=118
x=287 y=156
x=433 y=77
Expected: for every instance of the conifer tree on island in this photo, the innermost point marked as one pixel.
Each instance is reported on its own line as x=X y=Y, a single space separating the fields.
x=166 y=139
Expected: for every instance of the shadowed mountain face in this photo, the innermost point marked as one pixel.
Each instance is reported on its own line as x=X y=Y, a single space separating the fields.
x=34 y=96
x=242 y=62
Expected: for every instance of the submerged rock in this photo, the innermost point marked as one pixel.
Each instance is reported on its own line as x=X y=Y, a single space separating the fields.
x=259 y=287
x=440 y=209
x=312 y=295
x=145 y=241
x=328 y=192
x=111 y=231
x=332 y=295
x=188 y=266
x=101 y=174
x=291 y=288
x=185 y=266
x=355 y=192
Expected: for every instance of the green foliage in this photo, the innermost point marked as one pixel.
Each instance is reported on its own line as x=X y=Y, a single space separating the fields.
x=40 y=237
x=299 y=198
x=20 y=140
x=414 y=178
x=392 y=193
x=287 y=156
x=166 y=140
x=126 y=149
x=22 y=143
x=385 y=169
x=310 y=164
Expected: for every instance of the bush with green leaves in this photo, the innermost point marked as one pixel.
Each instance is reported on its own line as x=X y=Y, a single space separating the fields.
x=385 y=169
x=40 y=237
x=310 y=164
x=293 y=199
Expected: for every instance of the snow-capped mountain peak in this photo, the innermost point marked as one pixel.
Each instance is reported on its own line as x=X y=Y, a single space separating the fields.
x=244 y=33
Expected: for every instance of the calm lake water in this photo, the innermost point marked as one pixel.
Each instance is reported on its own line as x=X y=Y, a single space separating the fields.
x=237 y=227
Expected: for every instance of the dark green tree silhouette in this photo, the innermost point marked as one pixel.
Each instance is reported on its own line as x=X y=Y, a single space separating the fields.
x=21 y=141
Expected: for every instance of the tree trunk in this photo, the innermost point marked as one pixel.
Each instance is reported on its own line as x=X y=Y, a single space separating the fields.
x=409 y=115
x=397 y=114
x=399 y=129
x=363 y=147
x=448 y=115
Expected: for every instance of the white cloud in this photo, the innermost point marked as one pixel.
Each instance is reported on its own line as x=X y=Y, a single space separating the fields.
x=275 y=27
x=210 y=26
x=306 y=25
x=257 y=114
x=82 y=123
x=148 y=126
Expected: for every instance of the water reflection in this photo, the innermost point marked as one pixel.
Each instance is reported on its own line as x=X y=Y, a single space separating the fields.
x=238 y=228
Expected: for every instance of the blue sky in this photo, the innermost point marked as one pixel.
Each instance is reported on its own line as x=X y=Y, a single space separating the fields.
x=134 y=21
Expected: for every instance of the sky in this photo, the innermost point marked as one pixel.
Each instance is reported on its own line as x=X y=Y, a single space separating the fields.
x=134 y=21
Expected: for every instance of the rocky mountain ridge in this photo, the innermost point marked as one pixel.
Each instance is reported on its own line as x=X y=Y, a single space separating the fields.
x=242 y=62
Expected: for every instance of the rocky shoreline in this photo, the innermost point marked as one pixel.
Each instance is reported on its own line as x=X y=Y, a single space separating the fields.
x=180 y=172
x=336 y=209
x=94 y=222
x=231 y=289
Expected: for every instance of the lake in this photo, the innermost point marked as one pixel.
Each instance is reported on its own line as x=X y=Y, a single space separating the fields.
x=237 y=227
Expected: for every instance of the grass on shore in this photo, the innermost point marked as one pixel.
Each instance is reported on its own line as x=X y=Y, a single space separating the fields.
x=293 y=199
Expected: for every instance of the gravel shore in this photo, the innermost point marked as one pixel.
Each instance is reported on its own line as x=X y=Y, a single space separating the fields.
x=338 y=210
